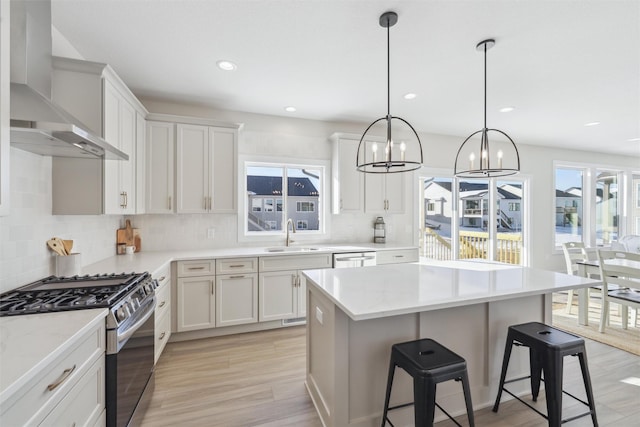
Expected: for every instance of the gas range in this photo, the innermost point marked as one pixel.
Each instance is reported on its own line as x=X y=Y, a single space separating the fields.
x=122 y=293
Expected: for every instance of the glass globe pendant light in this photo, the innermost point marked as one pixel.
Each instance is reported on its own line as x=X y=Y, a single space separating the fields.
x=402 y=150
x=477 y=158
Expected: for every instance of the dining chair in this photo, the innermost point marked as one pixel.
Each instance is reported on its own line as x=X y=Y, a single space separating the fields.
x=573 y=252
x=620 y=273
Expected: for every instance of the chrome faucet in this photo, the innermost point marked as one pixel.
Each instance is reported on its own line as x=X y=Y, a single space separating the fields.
x=293 y=227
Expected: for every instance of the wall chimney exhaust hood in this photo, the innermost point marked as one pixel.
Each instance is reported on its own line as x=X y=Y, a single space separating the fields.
x=37 y=124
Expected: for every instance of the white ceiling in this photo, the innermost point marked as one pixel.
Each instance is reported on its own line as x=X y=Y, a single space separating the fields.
x=561 y=63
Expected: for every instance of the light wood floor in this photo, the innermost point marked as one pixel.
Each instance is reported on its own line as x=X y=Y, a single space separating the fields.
x=257 y=379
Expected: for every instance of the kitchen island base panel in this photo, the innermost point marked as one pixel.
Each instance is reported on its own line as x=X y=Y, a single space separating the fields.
x=347 y=360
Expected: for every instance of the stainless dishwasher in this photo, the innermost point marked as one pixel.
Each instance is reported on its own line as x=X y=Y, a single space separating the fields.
x=354 y=259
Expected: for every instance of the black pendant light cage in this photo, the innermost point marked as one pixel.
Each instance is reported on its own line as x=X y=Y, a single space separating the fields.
x=396 y=155
x=478 y=157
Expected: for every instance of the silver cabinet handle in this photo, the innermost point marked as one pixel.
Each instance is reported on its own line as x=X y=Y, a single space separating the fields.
x=170 y=205
x=195 y=268
x=162 y=304
x=212 y=287
x=162 y=336
x=162 y=278
x=204 y=202
x=236 y=277
x=236 y=266
x=398 y=256
x=61 y=379
x=293 y=280
x=126 y=199
x=122 y=203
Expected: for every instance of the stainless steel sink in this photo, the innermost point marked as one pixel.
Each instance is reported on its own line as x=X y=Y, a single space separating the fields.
x=292 y=249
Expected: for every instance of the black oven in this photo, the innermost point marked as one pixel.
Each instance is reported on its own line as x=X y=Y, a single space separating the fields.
x=129 y=367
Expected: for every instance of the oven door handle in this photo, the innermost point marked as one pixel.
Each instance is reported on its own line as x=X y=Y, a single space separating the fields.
x=150 y=308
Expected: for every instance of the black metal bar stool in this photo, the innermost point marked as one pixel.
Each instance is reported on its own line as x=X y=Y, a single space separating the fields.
x=547 y=348
x=429 y=363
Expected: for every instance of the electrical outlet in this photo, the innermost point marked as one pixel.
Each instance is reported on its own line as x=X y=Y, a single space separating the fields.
x=319 y=315
x=211 y=233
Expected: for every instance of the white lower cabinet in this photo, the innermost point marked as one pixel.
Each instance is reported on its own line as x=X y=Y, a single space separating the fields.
x=196 y=307
x=85 y=402
x=236 y=299
x=282 y=291
x=163 y=313
x=278 y=295
x=67 y=391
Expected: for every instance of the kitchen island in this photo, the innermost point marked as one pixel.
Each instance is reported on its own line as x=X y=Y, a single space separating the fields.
x=355 y=315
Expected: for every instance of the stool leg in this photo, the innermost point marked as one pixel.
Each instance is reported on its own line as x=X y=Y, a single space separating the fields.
x=553 y=387
x=503 y=374
x=424 y=395
x=467 y=398
x=392 y=368
x=587 y=386
x=536 y=373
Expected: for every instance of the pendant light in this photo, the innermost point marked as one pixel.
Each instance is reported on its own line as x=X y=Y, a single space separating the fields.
x=401 y=150
x=477 y=158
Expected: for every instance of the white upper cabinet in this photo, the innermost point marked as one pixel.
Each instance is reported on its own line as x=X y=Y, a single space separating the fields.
x=94 y=94
x=348 y=182
x=357 y=192
x=119 y=131
x=206 y=169
x=159 y=177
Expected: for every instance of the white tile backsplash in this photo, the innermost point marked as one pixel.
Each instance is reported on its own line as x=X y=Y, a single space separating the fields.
x=24 y=232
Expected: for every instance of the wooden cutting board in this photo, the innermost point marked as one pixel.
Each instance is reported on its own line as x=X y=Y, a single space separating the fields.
x=129 y=236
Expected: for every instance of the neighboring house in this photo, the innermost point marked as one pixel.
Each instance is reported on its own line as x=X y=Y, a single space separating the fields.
x=474 y=199
x=569 y=207
x=266 y=203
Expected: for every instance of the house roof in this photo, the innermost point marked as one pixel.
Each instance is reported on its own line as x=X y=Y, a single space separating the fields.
x=272 y=186
x=560 y=193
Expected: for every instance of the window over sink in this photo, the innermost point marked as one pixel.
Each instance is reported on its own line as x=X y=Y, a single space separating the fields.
x=273 y=193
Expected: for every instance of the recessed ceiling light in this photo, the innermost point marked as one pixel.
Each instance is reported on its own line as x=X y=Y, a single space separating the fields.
x=290 y=109
x=633 y=139
x=410 y=96
x=592 y=124
x=507 y=109
x=226 y=65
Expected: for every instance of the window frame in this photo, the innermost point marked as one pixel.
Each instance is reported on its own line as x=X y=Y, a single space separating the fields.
x=321 y=208
x=523 y=178
x=625 y=199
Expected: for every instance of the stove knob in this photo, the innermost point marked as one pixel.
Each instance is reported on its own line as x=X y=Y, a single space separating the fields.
x=121 y=314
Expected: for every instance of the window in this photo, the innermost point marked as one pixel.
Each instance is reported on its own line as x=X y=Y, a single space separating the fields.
x=473 y=219
x=569 y=201
x=275 y=193
x=304 y=207
x=595 y=205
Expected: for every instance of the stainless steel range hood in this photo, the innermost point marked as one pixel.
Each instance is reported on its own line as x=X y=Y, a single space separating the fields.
x=38 y=124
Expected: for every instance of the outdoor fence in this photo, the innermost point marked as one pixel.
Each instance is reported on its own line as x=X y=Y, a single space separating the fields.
x=472 y=244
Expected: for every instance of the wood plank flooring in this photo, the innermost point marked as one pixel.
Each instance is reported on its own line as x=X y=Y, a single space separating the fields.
x=257 y=380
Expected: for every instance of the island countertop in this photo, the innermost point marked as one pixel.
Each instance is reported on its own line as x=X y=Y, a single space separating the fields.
x=390 y=290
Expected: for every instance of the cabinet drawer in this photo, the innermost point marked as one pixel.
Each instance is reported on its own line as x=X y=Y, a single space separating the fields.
x=196 y=268
x=295 y=262
x=163 y=275
x=84 y=404
x=397 y=256
x=163 y=332
x=236 y=265
x=38 y=397
x=163 y=298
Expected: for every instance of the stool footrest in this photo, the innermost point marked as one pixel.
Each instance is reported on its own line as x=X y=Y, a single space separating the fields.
x=526 y=403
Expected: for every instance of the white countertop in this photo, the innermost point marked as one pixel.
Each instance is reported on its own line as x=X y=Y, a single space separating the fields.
x=154 y=261
x=29 y=343
x=389 y=290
